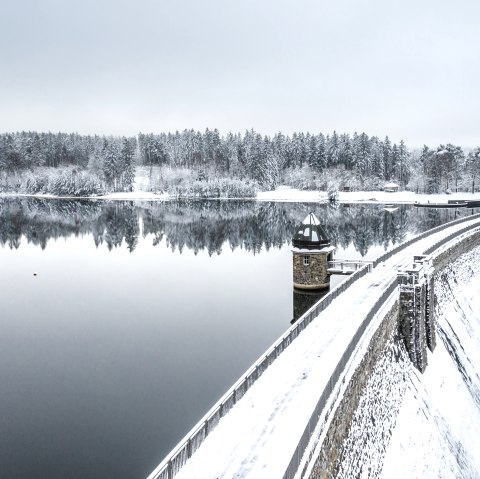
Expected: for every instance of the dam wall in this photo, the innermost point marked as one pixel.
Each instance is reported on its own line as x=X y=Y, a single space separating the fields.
x=354 y=438
x=312 y=401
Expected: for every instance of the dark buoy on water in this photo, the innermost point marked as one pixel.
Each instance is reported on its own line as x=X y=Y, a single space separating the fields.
x=34 y=273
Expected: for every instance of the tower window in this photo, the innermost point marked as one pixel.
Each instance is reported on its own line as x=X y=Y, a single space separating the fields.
x=306 y=260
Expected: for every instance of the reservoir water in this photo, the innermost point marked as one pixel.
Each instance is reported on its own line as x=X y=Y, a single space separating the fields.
x=122 y=323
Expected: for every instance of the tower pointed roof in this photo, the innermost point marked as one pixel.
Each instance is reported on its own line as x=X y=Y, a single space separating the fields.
x=310 y=234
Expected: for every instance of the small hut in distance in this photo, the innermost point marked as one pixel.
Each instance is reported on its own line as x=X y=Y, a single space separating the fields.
x=311 y=252
x=391 y=187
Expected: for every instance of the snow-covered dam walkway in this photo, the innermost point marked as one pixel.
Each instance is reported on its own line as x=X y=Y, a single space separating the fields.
x=271 y=420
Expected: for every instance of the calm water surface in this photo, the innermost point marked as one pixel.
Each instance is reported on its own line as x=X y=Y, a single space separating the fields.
x=142 y=315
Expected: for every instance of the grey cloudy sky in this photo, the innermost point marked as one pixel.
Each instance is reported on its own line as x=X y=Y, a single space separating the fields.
x=408 y=69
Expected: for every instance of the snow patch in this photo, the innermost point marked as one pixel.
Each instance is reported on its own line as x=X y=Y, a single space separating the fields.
x=288 y=194
x=439 y=420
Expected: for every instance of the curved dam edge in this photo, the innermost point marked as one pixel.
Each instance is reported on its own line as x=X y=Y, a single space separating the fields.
x=353 y=439
x=264 y=433
x=340 y=429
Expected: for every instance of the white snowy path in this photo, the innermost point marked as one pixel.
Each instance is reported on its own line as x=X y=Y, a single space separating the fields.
x=257 y=438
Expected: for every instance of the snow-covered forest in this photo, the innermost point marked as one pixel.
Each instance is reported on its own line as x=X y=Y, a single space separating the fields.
x=196 y=164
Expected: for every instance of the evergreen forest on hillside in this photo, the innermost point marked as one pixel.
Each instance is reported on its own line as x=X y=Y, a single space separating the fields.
x=209 y=165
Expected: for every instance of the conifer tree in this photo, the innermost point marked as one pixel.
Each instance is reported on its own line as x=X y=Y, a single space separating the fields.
x=387 y=159
x=125 y=168
x=473 y=166
x=110 y=156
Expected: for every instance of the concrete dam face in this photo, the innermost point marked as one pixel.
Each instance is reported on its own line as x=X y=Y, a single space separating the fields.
x=396 y=422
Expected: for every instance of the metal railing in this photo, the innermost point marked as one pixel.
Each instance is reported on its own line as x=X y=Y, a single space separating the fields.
x=349 y=265
x=347 y=354
x=333 y=380
x=421 y=236
x=192 y=441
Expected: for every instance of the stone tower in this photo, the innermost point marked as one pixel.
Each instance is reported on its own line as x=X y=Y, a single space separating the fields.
x=311 y=252
x=416 y=315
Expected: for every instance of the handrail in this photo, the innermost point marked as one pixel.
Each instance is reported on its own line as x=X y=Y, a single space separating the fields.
x=420 y=236
x=337 y=372
x=312 y=423
x=190 y=443
x=340 y=260
x=195 y=437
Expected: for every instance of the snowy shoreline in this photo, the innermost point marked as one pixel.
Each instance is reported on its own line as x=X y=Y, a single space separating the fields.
x=286 y=194
x=281 y=194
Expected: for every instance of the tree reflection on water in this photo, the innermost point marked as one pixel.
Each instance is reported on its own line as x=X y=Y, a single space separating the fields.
x=208 y=225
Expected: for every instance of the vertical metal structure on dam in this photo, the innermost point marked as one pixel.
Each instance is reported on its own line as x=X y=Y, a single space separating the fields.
x=416 y=321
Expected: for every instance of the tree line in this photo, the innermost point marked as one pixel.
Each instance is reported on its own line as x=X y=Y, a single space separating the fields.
x=448 y=168
x=86 y=165
x=266 y=159
x=69 y=164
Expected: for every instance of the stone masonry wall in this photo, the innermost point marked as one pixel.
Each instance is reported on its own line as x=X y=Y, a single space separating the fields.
x=333 y=452
x=443 y=259
x=412 y=322
x=366 y=414
x=314 y=274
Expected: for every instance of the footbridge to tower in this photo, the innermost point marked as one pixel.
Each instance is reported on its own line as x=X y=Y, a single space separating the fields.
x=287 y=415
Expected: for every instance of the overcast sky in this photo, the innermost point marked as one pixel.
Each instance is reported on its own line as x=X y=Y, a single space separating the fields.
x=408 y=69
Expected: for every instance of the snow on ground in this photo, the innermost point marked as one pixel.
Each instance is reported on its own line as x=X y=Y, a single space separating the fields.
x=375 y=416
x=285 y=193
x=135 y=195
x=442 y=407
x=124 y=195
x=257 y=438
